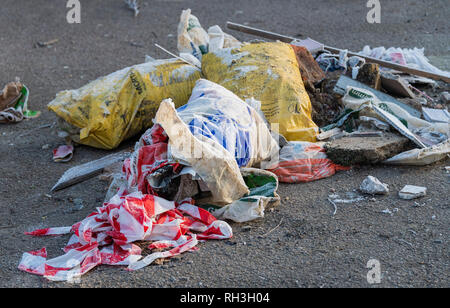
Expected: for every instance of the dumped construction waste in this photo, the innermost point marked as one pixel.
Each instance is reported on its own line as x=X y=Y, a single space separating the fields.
x=220 y=127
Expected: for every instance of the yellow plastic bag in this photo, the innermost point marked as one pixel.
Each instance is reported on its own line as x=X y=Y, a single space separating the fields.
x=268 y=72
x=114 y=108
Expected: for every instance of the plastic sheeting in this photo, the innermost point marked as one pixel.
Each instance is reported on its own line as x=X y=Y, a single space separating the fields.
x=114 y=108
x=303 y=162
x=215 y=133
x=108 y=236
x=268 y=72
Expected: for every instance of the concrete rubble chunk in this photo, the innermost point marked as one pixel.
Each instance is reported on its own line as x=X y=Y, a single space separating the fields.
x=372 y=186
x=410 y=192
x=349 y=151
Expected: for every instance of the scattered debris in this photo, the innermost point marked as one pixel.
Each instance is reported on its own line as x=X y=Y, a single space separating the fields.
x=309 y=68
x=303 y=162
x=47 y=43
x=350 y=197
x=369 y=74
x=344 y=82
x=78 y=205
x=86 y=171
x=389 y=212
x=335 y=206
x=266 y=234
x=330 y=134
x=445 y=98
x=10 y=95
x=34 y=130
x=396 y=85
x=14 y=103
x=63 y=154
x=311 y=45
x=134 y=6
x=263 y=187
x=436 y=115
x=135 y=44
x=364 y=101
x=373 y=186
x=410 y=192
x=406 y=57
x=421 y=93
x=421 y=157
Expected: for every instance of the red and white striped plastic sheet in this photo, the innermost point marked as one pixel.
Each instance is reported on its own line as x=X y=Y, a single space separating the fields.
x=107 y=236
x=149 y=156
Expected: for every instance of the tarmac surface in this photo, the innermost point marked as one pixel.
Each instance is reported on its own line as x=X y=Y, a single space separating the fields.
x=298 y=244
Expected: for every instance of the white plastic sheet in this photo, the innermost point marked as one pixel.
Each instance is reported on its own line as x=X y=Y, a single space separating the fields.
x=216 y=133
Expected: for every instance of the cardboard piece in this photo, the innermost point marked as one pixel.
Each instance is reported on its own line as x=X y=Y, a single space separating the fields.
x=396 y=85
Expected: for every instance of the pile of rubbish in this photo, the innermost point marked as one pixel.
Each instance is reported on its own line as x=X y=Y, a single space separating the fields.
x=226 y=122
x=14 y=103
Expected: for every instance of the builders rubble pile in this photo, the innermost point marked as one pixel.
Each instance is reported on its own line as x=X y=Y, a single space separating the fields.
x=226 y=121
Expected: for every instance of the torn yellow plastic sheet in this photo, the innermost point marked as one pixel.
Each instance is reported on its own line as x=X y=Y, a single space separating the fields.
x=268 y=72
x=116 y=107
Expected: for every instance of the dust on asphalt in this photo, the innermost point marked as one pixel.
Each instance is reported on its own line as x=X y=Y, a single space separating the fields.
x=298 y=244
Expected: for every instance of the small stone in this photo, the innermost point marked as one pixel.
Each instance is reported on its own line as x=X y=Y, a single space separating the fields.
x=389 y=212
x=410 y=192
x=78 y=204
x=46 y=146
x=372 y=186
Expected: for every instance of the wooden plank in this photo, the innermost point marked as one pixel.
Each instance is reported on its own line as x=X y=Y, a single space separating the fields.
x=288 y=39
x=86 y=171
